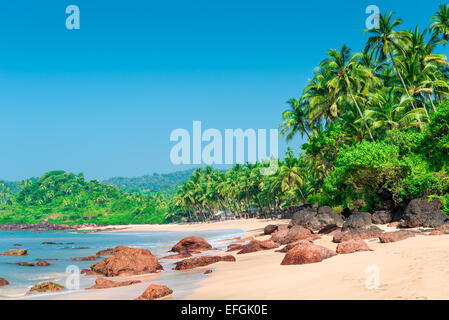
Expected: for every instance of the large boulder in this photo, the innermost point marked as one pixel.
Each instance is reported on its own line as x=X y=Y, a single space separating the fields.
x=310 y=219
x=269 y=229
x=256 y=245
x=424 y=213
x=357 y=234
x=295 y=233
x=191 y=244
x=129 y=261
x=395 y=236
x=102 y=283
x=382 y=217
x=155 y=291
x=358 y=220
x=306 y=253
x=15 y=252
x=201 y=261
x=326 y=215
x=352 y=246
x=46 y=287
x=3 y=282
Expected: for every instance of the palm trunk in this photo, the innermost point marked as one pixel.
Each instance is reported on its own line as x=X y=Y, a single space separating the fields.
x=361 y=115
x=304 y=128
x=431 y=102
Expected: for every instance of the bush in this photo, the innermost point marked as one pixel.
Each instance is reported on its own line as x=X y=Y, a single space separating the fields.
x=361 y=170
x=436 y=142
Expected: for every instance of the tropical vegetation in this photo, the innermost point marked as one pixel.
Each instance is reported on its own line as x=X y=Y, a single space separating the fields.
x=372 y=120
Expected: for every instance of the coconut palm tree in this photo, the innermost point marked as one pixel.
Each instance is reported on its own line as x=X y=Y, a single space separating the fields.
x=440 y=23
x=347 y=75
x=386 y=42
x=294 y=120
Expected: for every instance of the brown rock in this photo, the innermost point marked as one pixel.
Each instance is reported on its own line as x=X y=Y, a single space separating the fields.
x=395 y=236
x=47 y=287
x=155 y=291
x=89 y=272
x=201 y=261
x=191 y=244
x=89 y=258
x=3 y=282
x=110 y=252
x=15 y=252
x=208 y=271
x=357 y=234
x=234 y=247
x=269 y=229
x=102 y=283
x=295 y=233
x=436 y=233
x=304 y=254
x=352 y=246
x=256 y=245
x=181 y=255
x=129 y=261
x=42 y=263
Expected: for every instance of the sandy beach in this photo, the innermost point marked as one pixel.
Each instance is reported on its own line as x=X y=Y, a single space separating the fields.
x=414 y=268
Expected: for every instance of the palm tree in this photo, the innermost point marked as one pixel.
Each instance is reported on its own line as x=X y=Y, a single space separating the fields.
x=440 y=24
x=347 y=74
x=294 y=120
x=385 y=41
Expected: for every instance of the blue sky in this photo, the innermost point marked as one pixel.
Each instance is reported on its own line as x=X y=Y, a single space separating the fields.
x=103 y=100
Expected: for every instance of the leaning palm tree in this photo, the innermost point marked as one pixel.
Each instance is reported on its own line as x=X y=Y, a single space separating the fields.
x=347 y=76
x=440 y=23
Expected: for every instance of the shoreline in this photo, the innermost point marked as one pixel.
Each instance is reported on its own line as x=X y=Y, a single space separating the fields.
x=133 y=291
x=414 y=268
x=246 y=225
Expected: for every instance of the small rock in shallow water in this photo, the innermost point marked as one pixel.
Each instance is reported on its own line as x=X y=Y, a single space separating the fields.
x=46 y=287
x=15 y=252
x=3 y=282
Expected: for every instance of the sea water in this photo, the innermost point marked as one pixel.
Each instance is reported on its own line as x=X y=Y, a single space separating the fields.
x=73 y=245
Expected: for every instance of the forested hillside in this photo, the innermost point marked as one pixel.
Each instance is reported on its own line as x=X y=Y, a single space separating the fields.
x=164 y=183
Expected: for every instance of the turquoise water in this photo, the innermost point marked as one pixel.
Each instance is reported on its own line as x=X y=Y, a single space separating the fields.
x=71 y=245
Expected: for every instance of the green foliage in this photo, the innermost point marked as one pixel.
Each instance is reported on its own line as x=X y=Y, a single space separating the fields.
x=163 y=183
x=61 y=197
x=437 y=139
x=361 y=170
